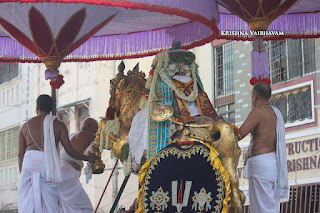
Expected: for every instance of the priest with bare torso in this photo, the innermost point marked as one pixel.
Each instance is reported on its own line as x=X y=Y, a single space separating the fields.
x=266 y=167
x=73 y=198
x=39 y=161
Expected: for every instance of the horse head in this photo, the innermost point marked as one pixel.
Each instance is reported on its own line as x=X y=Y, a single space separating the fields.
x=113 y=101
x=126 y=92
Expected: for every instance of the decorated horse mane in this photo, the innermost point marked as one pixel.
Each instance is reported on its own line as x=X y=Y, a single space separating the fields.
x=126 y=92
x=122 y=84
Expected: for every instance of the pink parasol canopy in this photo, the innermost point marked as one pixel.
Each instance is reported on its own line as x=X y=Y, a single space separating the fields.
x=52 y=31
x=295 y=18
x=88 y=30
x=261 y=20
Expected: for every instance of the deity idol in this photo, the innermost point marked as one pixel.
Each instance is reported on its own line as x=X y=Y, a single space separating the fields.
x=173 y=90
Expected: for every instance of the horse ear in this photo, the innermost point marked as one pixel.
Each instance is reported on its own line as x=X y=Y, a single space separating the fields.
x=121 y=67
x=136 y=68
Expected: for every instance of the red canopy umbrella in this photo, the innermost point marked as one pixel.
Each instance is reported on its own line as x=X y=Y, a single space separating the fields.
x=261 y=20
x=53 y=30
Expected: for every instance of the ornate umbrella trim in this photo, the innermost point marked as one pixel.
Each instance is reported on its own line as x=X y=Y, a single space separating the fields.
x=254 y=11
x=208 y=31
x=308 y=27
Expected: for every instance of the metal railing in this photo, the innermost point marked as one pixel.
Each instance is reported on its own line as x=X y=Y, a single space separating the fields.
x=303 y=199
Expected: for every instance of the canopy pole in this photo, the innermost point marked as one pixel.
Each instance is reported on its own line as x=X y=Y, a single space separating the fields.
x=124 y=183
x=115 y=165
x=54 y=98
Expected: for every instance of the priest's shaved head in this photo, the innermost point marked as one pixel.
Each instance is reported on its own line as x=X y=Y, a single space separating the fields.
x=263 y=90
x=90 y=125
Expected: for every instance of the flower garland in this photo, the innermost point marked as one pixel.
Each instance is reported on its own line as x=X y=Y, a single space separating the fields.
x=255 y=80
x=57 y=82
x=160 y=70
x=111 y=126
x=127 y=162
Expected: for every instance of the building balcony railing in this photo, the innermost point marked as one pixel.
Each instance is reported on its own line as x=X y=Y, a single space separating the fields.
x=296 y=104
x=303 y=199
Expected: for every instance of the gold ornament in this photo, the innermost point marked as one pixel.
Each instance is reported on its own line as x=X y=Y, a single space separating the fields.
x=186 y=132
x=162 y=113
x=97 y=166
x=52 y=62
x=259 y=23
x=180 y=127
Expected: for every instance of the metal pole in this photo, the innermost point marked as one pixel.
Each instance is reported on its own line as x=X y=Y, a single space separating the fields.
x=106 y=185
x=115 y=182
x=124 y=183
x=54 y=98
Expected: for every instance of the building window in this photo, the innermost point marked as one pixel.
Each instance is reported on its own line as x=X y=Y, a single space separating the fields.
x=64 y=117
x=17 y=93
x=8 y=71
x=291 y=58
x=8 y=96
x=224 y=81
x=12 y=95
x=82 y=112
x=3 y=146
x=15 y=174
x=8 y=176
x=224 y=67
x=296 y=106
x=9 y=143
x=3 y=99
x=227 y=112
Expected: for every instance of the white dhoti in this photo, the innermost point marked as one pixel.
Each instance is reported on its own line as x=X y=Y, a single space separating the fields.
x=73 y=198
x=36 y=194
x=268 y=175
x=261 y=170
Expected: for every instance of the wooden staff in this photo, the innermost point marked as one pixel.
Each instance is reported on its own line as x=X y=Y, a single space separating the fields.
x=54 y=99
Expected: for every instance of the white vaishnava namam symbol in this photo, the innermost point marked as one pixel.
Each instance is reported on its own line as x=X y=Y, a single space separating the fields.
x=186 y=194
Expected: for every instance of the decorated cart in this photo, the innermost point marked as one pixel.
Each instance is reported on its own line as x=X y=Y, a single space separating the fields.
x=163 y=128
